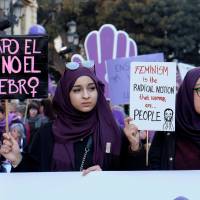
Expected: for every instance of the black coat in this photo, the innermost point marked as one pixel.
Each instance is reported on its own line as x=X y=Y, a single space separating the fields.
x=162 y=151
x=39 y=155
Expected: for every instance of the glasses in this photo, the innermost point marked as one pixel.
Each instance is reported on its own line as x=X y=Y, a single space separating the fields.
x=75 y=65
x=197 y=91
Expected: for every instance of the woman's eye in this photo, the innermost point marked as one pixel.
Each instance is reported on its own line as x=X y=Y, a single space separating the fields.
x=92 y=88
x=76 y=90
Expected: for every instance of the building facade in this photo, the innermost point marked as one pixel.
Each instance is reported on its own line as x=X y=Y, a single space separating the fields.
x=21 y=13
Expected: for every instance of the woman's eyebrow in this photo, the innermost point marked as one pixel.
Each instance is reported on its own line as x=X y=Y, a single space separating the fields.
x=91 y=83
x=76 y=86
x=81 y=85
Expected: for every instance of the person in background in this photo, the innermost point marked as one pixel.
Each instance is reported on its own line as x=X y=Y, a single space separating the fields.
x=46 y=110
x=12 y=118
x=17 y=130
x=180 y=150
x=2 y=121
x=13 y=105
x=20 y=112
x=37 y=29
x=84 y=136
x=34 y=121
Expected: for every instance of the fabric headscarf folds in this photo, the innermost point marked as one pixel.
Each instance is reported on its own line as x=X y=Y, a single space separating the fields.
x=187 y=119
x=71 y=125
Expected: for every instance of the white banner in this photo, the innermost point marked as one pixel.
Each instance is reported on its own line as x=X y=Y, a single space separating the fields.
x=137 y=185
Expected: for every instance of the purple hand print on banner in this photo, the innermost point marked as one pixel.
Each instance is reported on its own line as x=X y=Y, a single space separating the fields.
x=105 y=44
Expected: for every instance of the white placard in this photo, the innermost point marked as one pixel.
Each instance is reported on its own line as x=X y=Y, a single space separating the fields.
x=152 y=95
x=184 y=68
x=138 y=185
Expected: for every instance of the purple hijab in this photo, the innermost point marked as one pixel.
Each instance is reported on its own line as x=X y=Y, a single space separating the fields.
x=71 y=125
x=187 y=119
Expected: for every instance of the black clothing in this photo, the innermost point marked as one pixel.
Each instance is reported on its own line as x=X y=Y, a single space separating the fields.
x=2 y=169
x=39 y=156
x=162 y=151
x=79 y=150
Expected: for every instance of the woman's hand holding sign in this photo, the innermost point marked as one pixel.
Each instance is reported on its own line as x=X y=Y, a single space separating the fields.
x=132 y=134
x=10 y=149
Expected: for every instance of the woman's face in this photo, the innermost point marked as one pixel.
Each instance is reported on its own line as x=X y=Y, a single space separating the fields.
x=41 y=109
x=83 y=95
x=197 y=97
x=15 y=134
x=33 y=112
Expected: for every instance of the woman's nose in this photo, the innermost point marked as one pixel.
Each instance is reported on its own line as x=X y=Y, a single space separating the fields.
x=85 y=94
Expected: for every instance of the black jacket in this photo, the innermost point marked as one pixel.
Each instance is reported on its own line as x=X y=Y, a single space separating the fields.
x=39 y=156
x=162 y=151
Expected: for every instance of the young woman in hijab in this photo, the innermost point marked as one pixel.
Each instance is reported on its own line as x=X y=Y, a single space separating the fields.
x=180 y=150
x=84 y=136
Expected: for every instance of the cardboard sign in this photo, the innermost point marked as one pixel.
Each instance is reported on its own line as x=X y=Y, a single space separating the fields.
x=119 y=75
x=23 y=72
x=152 y=95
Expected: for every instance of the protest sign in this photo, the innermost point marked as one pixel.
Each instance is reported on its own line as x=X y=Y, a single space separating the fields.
x=24 y=72
x=119 y=75
x=184 y=68
x=152 y=95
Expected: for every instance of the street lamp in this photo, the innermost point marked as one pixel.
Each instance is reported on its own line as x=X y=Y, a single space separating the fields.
x=65 y=49
x=4 y=5
x=71 y=25
x=17 y=9
x=72 y=36
x=76 y=39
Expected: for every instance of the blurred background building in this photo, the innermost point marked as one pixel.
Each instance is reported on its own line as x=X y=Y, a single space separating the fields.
x=16 y=16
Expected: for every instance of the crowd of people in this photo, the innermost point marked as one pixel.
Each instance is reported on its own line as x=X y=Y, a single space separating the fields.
x=22 y=125
x=79 y=130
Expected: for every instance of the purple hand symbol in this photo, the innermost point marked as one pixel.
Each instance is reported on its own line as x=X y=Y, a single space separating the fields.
x=106 y=44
